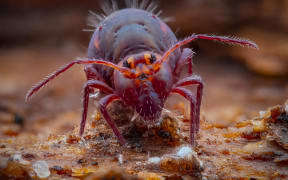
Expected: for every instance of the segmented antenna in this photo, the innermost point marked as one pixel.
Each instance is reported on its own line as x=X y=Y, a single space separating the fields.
x=43 y=83
x=223 y=39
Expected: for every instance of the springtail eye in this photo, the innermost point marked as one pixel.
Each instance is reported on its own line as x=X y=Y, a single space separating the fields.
x=126 y=64
x=152 y=58
x=129 y=63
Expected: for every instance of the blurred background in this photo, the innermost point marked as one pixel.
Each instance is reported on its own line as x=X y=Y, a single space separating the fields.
x=36 y=37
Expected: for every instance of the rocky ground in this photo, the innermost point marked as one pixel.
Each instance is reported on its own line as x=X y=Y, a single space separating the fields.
x=243 y=133
x=238 y=138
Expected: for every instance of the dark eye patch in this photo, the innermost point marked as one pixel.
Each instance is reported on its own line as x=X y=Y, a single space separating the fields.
x=143 y=76
x=126 y=64
x=152 y=58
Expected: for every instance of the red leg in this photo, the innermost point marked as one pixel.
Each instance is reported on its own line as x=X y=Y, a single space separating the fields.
x=87 y=90
x=189 y=96
x=194 y=80
x=92 y=73
x=186 y=58
x=104 y=102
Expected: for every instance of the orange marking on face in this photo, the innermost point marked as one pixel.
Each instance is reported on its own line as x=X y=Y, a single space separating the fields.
x=131 y=62
x=138 y=71
x=145 y=69
x=137 y=82
x=147 y=58
x=150 y=78
x=156 y=67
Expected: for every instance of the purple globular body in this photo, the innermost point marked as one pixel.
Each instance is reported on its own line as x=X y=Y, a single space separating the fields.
x=134 y=57
x=129 y=32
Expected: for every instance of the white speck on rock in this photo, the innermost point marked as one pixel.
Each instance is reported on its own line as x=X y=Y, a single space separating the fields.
x=120 y=159
x=185 y=151
x=154 y=160
x=18 y=158
x=262 y=114
x=138 y=163
x=41 y=168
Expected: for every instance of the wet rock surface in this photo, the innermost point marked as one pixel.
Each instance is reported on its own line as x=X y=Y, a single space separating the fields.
x=224 y=153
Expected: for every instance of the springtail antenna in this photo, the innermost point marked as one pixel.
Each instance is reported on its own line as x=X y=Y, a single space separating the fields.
x=223 y=39
x=127 y=72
